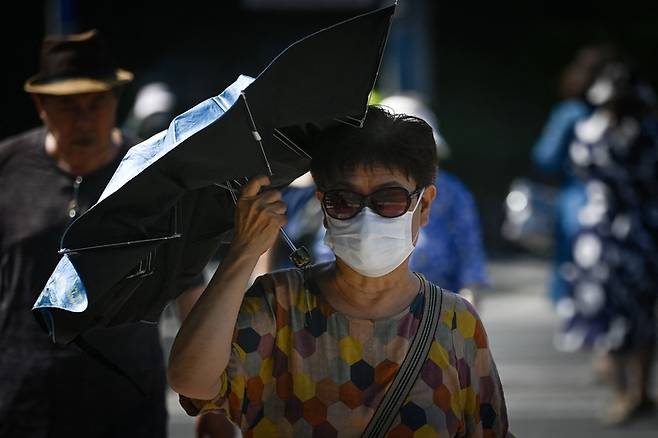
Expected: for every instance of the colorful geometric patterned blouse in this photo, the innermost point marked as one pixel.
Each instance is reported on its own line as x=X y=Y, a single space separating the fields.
x=300 y=368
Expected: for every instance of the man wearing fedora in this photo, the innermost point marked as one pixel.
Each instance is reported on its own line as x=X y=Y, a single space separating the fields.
x=49 y=176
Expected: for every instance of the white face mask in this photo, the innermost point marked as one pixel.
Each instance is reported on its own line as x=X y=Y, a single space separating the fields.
x=371 y=244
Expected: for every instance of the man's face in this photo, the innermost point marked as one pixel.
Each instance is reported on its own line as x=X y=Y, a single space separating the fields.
x=79 y=120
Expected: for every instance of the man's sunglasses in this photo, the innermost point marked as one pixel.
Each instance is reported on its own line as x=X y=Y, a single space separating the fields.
x=389 y=202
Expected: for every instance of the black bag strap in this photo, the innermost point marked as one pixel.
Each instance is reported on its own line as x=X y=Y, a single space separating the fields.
x=413 y=362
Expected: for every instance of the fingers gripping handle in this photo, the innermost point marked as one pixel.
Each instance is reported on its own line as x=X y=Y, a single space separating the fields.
x=300 y=257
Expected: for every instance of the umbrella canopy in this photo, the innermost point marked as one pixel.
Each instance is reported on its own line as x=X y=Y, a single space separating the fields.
x=169 y=204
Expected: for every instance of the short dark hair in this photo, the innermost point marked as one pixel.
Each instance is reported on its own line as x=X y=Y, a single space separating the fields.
x=394 y=141
x=580 y=73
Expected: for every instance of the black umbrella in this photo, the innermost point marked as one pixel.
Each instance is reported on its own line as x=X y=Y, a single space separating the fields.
x=170 y=202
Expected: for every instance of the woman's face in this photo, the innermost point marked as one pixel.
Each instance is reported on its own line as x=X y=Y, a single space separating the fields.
x=366 y=180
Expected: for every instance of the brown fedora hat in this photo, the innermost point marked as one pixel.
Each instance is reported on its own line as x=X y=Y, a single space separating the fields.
x=77 y=63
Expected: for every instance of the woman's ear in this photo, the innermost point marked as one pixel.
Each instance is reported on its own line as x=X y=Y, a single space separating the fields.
x=426 y=203
x=318 y=194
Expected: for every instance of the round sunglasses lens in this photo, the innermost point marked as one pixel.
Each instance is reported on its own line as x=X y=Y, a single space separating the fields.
x=341 y=204
x=390 y=202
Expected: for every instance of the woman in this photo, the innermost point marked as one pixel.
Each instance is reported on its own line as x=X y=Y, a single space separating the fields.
x=312 y=352
x=614 y=275
x=550 y=155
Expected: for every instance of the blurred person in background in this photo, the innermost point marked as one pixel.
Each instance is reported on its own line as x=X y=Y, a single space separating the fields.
x=49 y=176
x=550 y=153
x=449 y=250
x=612 y=280
x=155 y=107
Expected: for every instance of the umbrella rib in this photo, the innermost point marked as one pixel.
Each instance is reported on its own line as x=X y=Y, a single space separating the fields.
x=230 y=189
x=350 y=121
x=287 y=142
x=254 y=132
x=142 y=270
x=227 y=187
x=114 y=245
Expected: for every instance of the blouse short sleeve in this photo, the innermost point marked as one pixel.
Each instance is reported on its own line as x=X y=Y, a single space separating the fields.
x=251 y=355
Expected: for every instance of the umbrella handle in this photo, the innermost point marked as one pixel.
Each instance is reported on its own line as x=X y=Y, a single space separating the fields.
x=301 y=257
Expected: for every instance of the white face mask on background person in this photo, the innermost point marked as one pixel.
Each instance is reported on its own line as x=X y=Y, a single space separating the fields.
x=371 y=244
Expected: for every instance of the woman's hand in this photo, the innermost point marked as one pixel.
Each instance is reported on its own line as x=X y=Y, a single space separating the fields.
x=258 y=218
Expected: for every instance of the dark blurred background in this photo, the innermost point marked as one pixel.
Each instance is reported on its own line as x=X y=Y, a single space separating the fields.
x=488 y=70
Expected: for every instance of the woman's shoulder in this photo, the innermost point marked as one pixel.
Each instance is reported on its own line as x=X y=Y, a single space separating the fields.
x=459 y=315
x=278 y=278
x=269 y=298
x=282 y=285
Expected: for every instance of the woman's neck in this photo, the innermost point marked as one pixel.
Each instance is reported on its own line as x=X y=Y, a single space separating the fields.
x=363 y=297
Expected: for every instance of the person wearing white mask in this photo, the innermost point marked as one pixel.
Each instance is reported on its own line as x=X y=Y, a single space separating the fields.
x=305 y=352
x=449 y=251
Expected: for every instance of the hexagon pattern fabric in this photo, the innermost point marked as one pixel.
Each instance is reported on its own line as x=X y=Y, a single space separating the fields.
x=300 y=368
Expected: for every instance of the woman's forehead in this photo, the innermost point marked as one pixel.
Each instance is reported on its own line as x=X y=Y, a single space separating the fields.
x=367 y=177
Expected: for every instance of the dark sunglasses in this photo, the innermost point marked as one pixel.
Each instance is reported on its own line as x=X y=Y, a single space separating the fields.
x=389 y=202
